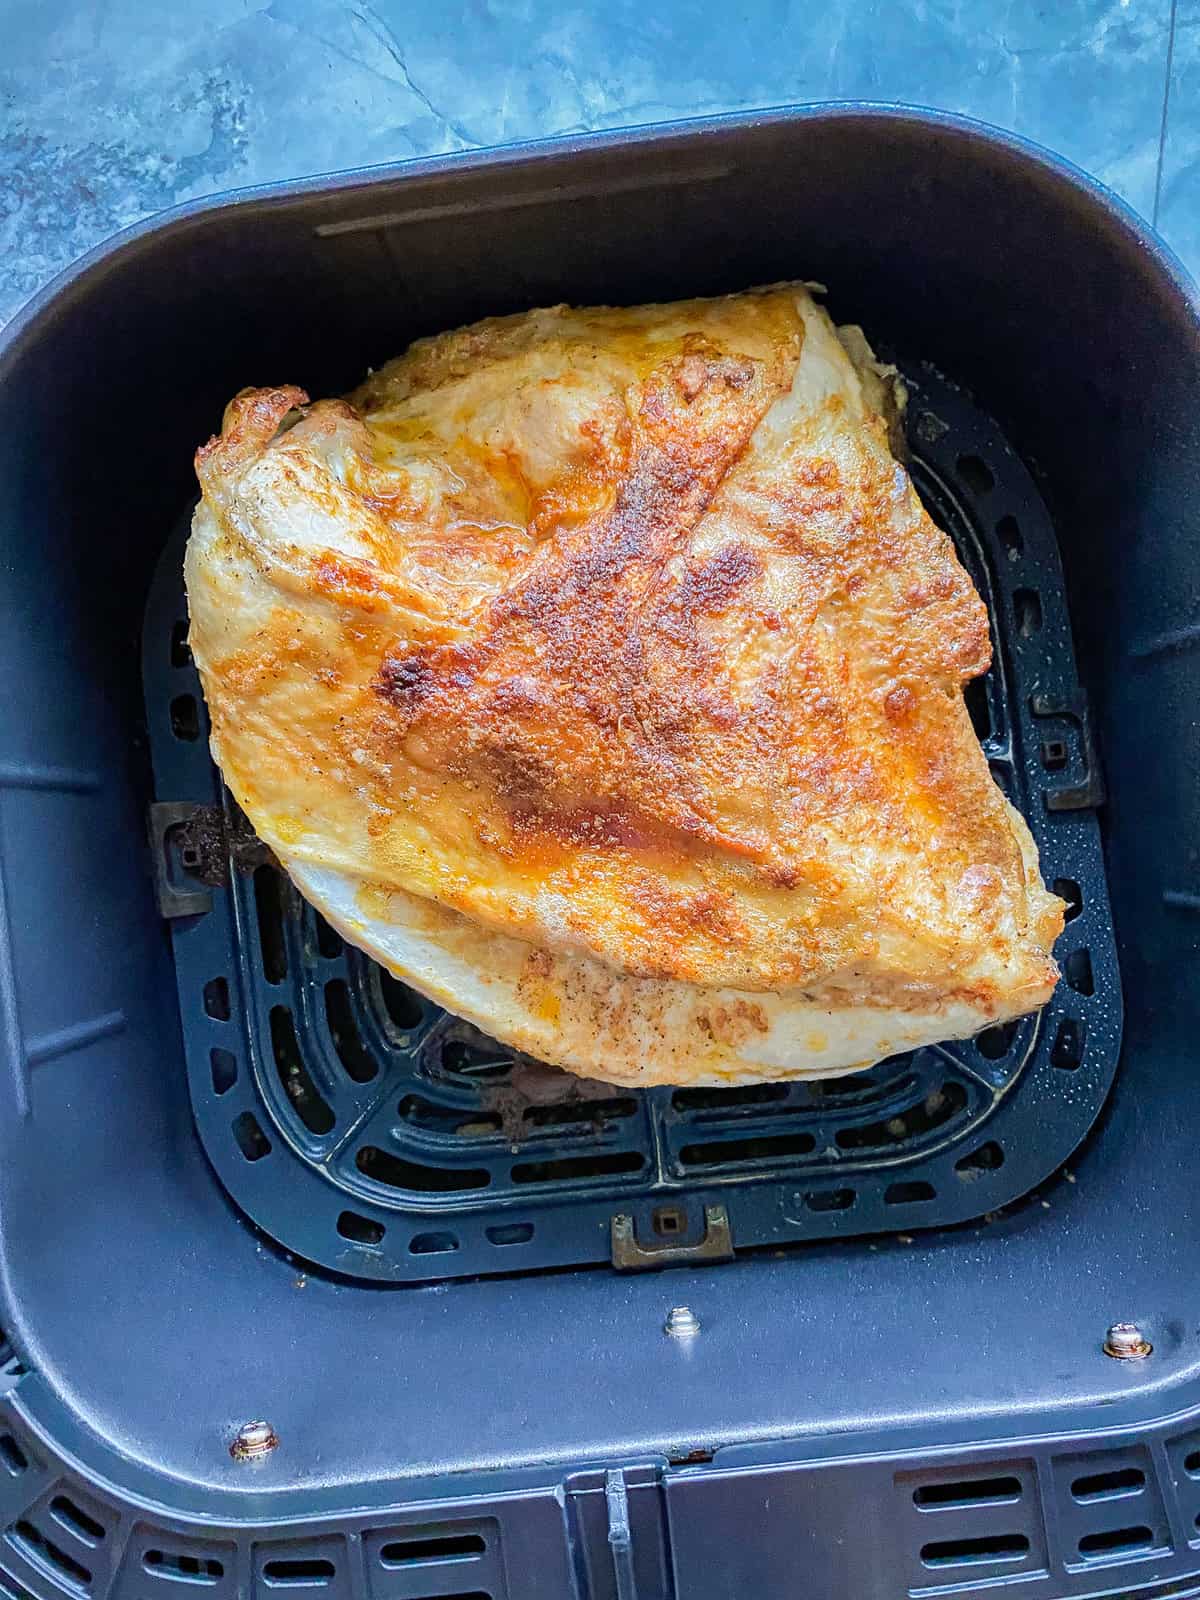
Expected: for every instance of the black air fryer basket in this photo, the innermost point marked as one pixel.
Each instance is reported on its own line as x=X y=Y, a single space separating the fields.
x=248 y=1178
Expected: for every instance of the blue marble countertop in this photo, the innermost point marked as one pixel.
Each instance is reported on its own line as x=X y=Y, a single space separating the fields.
x=113 y=109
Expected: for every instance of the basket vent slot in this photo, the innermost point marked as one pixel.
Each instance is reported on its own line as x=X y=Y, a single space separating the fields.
x=753 y=1094
x=933 y=1112
x=861 y=1089
x=979 y=708
x=216 y=999
x=988 y=1158
x=1003 y=777
x=421 y=1113
x=360 y=1230
x=296 y=1573
x=181 y=653
x=830 y=1199
x=224 y=1070
x=987 y=1548
x=1027 y=604
x=907 y=1194
x=268 y=904
x=970 y=1492
x=511 y=1233
x=472 y=1060
x=1008 y=531
x=314 y=1111
x=976 y=474
x=43 y=1552
x=397 y=1173
x=571 y=1112
x=185 y=718
x=10 y=1362
x=446 y=1547
x=358 y=1061
x=401 y=1004
x=1078 y=968
x=251 y=1140
x=718 y=1152
x=994 y=1043
x=179 y=1567
x=1111 y=1542
x=608 y=1165
x=1067 y=889
x=13 y=1457
x=1109 y=1485
x=459 y=1594
x=1067 y=1050
x=432 y=1244
x=329 y=942
x=76 y=1520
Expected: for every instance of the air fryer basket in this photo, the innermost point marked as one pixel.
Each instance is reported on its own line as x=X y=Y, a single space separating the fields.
x=887 y=1406
x=371 y=1133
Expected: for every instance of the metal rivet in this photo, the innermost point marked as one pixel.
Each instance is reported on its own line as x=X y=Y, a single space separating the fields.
x=1126 y=1342
x=682 y=1322
x=253 y=1440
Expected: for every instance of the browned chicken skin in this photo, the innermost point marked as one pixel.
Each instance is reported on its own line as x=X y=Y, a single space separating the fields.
x=600 y=673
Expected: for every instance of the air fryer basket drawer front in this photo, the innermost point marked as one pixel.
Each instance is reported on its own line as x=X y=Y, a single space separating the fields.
x=150 y=1321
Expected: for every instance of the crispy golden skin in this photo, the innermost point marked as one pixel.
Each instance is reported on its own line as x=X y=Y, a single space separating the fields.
x=600 y=672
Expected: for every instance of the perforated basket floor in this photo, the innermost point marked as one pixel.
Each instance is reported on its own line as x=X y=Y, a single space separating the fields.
x=369 y=1132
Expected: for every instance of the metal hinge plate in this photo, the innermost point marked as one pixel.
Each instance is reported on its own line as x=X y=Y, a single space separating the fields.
x=1088 y=793
x=198 y=844
x=630 y=1255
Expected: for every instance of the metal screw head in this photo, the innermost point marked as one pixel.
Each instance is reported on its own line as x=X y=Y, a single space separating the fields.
x=1125 y=1342
x=252 y=1441
x=682 y=1323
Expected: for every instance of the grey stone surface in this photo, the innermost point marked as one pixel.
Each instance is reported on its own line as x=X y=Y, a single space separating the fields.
x=112 y=109
x=1179 y=199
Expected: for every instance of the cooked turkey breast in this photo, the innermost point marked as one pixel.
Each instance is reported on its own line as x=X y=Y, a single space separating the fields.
x=600 y=673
